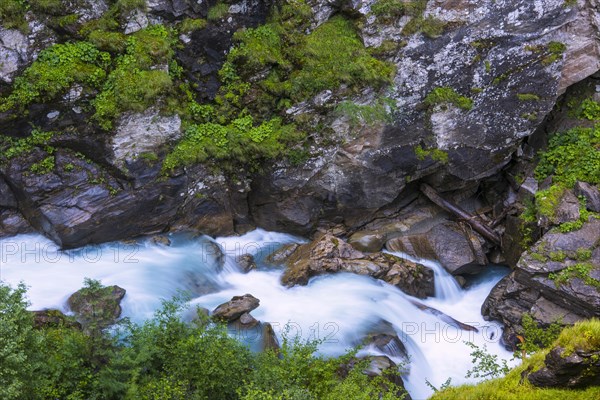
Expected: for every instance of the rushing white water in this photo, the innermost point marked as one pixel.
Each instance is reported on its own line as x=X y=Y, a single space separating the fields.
x=339 y=309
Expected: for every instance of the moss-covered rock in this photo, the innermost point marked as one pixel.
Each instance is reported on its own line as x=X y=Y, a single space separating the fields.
x=96 y=306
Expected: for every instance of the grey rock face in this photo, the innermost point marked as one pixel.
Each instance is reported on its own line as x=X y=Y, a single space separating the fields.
x=138 y=134
x=496 y=51
x=559 y=278
x=591 y=195
x=13 y=53
x=491 y=52
x=578 y=369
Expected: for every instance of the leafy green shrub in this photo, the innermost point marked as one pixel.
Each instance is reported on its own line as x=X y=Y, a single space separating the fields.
x=258 y=48
x=447 y=95
x=590 y=110
x=486 y=365
x=16 y=147
x=572 y=156
x=164 y=358
x=114 y=42
x=133 y=84
x=44 y=166
x=18 y=345
x=55 y=70
x=536 y=338
x=241 y=141
x=584 y=335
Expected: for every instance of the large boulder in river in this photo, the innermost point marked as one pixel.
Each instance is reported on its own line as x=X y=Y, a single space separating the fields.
x=557 y=280
x=96 y=306
x=329 y=254
x=235 y=308
x=453 y=245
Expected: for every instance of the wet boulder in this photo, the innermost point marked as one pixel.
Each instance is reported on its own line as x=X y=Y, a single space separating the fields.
x=235 y=308
x=450 y=243
x=96 y=306
x=53 y=319
x=329 y=254
x=280 y=255
x=246 y=262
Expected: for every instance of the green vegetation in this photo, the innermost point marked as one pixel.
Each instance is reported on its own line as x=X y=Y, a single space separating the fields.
x=247 y=123
x=55 y=70
x=269 y=69
x=435 y=154
x=447 y=95
x=555 y=51
x=379 y=112
x=12 y=14
x=390 y=10
x=191 y=24
x=558 y=256
x=44 y=166
x=580 y=271
x=165 y=358
x=582 y=336
x=528 y=97
x=536 y=338
x=218 y=11
x=12 y=147
x=430 y=26
x=485 y=365
x=572 y=156
x=590 y=110
x=133 y=84
x=241 y=141
x=583 y=254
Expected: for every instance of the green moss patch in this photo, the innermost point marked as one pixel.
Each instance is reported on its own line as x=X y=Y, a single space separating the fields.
x=447 y=95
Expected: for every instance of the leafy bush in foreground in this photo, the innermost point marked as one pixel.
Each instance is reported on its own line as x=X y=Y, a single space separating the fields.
x=165 y=358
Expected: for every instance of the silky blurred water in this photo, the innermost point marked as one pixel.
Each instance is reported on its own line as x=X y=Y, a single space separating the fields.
x=338 y=309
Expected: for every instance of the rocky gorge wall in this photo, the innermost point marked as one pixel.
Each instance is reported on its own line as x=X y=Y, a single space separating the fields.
x=487 y=55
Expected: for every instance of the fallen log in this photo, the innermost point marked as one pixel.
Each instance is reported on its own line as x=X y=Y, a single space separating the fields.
x=475 y=222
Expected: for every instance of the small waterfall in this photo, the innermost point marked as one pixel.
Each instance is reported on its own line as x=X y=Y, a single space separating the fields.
x=339 y=309
x=446 y=287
